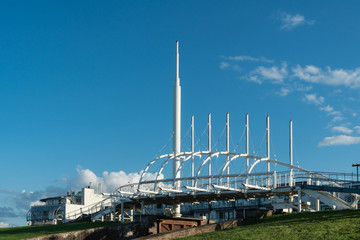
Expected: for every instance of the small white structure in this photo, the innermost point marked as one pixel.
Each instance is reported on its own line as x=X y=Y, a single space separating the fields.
x=64 y=208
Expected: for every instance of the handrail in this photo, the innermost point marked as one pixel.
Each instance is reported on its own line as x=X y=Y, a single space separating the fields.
x=79 y=212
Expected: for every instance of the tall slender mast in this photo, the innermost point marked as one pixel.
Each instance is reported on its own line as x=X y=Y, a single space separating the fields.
x=176 y=127
x=291 y=152
x=176 y=116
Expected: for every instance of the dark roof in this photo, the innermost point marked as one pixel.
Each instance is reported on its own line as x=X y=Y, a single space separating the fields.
x=51 y=198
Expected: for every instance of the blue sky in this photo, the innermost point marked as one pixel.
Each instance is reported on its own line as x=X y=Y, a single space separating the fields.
x=86 y=86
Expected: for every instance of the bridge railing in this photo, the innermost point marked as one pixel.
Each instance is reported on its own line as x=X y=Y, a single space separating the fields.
x=239 y=182
x=88 y=210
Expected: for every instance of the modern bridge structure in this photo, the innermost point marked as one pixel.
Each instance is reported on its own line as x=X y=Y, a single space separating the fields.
x=204 y=174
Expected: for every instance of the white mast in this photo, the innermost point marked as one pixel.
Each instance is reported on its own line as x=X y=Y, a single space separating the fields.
x=268 y=141
x=247 y=140
x=176 y=128
x=291 y=152
x=227 y=146
x=192 y=147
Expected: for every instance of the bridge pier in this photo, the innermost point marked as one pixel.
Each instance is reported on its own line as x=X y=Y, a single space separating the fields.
x=142 y=208
x=122 y=211
x=317 y=205
x=299 y=200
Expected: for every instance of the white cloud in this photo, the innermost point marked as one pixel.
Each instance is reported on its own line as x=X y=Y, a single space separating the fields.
x=37 y=203
x=338 y=140
x=4 y=225
x=327 y=109
x=330 y=111
x=284 y=91
x=337 y=119
x=7 y=212
x=274 y=74
x=308 y=73
x=289 y=22
x=342 y=129
x=109 y=181
x=24 y=199
x=313 y=99
x=224 y=65
x=254 y=78
x=357 y=129
x=248 y=58
x=337 y=77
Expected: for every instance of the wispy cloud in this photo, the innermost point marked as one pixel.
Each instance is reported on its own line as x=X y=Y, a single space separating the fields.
x=4 y=225
x=319 y=101
x=303 y=78
x=327 y=76
x=337 y=118
x=330 y=111
x=289 y=21
x=357 y=129
x=342 y=129
x=309 y=73
x=25 y=199
x=338 y=141
x=224 y=65
x=313 y=99
x=274 y=74
x=284 y=91
x=7 y=212
x=248 y=58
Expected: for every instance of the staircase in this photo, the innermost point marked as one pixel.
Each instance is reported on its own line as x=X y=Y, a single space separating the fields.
x=328 y=199
x=94 y=211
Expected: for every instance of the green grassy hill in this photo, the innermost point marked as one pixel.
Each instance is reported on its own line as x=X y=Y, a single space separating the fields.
x=318 y=225
x=33 y=231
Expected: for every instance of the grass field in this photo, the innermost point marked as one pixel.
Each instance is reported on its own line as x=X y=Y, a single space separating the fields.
x=318 y=225
x=33 y=231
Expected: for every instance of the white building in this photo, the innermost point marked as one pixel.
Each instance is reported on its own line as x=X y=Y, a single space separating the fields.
x=64 y=208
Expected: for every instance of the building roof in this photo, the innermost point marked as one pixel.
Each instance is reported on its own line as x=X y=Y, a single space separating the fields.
x=52 y=198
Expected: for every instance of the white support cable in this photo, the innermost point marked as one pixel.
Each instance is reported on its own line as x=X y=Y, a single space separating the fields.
x=218 y=141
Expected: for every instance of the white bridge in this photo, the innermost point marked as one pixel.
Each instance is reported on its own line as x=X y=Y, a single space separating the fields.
x=205 y=174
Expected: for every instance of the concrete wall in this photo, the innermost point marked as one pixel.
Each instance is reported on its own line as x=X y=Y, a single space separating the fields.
x=121 y=231
x=133 y=230
x=90 y=197
x=186 y=232
x=145 y=226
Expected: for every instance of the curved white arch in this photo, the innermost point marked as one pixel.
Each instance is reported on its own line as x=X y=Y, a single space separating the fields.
x=196 y=154
x=162 y=168
x=203 y=163
x=231 y=159
x=160 y=171
x=255 y=163
x=151 y=163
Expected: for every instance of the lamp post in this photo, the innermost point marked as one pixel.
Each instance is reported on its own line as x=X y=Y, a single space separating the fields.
x=357 y=171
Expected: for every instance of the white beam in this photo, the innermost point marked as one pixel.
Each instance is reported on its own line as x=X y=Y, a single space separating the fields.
x=227 y=188
x=196 y=189
x=170 y=190
x=256 y=187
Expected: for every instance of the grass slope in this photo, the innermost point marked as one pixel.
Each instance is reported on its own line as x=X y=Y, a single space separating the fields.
x=33 y=231
x=318 y=225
